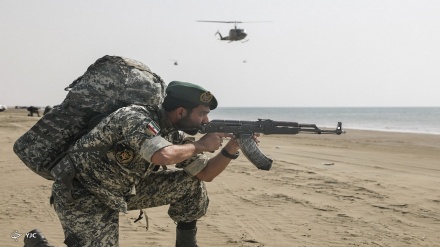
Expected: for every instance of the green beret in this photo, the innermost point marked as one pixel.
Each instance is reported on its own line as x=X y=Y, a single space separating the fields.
x=192 y=93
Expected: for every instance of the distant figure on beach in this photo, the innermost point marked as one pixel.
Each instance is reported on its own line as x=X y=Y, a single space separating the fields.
x=32 y=110
x=3 y=108
x=47 y=109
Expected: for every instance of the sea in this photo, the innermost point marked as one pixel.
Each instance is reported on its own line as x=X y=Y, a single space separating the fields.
x=425 y=120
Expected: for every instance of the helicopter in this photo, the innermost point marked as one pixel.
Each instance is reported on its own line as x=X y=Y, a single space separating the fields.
x=235 y=34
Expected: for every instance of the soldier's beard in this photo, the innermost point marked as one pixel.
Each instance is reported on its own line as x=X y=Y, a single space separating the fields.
x=186 y=125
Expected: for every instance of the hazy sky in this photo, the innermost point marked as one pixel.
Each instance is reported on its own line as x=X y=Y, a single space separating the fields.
x=311 y=53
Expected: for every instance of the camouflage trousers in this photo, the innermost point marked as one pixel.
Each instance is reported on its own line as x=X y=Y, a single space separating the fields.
x=93 y=223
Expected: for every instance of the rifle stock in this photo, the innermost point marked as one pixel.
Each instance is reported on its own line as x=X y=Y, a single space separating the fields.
x=244 y=131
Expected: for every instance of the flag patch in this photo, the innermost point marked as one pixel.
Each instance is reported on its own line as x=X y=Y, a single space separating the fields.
x=153 y=128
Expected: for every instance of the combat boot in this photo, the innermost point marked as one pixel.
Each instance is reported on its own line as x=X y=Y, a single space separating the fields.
x=35 y=238
x=186 y=238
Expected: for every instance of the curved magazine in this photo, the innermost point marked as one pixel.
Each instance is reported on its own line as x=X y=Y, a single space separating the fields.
x=253 y=153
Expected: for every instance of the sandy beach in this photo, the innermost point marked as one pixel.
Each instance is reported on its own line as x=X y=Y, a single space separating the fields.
x=364 y=188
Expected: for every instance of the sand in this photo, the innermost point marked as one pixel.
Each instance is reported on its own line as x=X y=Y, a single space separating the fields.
x=363 y=188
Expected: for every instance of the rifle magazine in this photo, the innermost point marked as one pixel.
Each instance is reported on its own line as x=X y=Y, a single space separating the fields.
x=253 y=153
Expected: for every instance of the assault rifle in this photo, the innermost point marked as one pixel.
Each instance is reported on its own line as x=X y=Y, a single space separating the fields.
x=244 y=131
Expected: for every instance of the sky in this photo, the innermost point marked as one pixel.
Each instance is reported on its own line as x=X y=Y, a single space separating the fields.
x=314 y=53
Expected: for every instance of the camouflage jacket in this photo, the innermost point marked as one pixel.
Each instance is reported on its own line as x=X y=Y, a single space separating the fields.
x=114 y=156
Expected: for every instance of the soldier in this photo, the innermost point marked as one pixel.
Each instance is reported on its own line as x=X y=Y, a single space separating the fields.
x=113 y=168
x=32 y=110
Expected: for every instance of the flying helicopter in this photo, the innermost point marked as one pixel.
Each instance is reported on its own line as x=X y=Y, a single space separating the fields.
x=235 y=34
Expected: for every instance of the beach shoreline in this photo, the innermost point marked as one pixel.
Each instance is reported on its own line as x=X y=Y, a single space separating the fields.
x=362 y=188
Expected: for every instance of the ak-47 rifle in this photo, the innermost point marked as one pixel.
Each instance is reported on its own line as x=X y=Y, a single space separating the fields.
x=244 y=131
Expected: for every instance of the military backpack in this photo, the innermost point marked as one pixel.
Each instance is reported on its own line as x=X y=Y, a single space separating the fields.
x=108 y=84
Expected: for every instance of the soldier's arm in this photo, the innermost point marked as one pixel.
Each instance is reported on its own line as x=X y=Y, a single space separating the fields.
x=174 y=154
x=218 y=163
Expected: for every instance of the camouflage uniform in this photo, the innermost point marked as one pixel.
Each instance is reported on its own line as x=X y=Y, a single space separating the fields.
x=113 y=173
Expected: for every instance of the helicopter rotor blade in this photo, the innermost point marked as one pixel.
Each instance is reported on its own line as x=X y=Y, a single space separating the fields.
x=232 y=21
x=220 y=21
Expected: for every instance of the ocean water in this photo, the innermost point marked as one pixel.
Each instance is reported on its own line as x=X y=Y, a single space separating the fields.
x=393 y=119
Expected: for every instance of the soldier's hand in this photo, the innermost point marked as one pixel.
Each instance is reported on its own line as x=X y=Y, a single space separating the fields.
x=213 y=141
x=255 y=137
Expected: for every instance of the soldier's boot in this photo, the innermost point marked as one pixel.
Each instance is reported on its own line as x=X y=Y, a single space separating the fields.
x=186 y=238
x=35 y=238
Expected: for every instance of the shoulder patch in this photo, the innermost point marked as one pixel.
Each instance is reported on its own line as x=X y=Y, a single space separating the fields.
x=152 y=128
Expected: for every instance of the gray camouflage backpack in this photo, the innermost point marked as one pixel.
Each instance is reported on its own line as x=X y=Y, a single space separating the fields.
x=110 y=83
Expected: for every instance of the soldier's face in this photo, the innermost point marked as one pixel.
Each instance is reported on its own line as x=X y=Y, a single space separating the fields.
x=194 y=120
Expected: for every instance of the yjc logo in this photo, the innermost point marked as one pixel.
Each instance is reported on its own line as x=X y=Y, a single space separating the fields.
x=31 y=235
x=15 y=235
